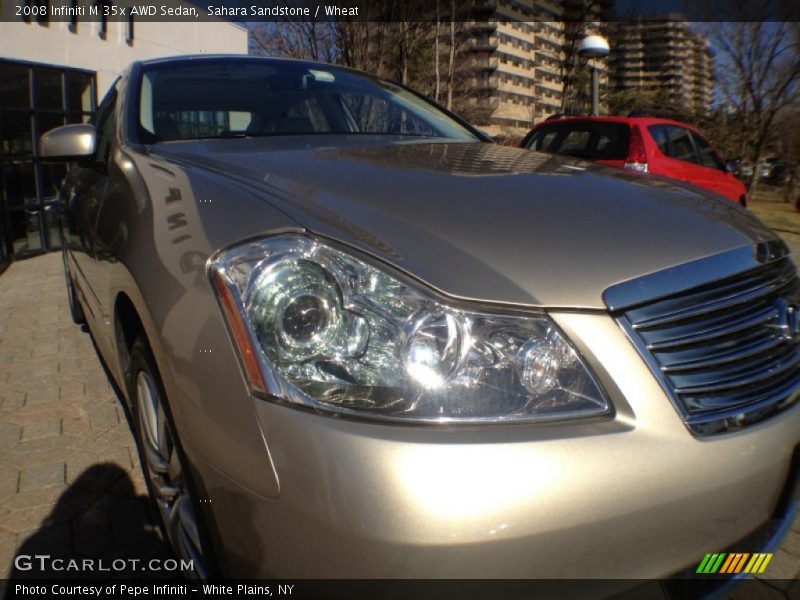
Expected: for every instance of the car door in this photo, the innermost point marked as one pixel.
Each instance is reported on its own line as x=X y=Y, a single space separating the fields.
x=677 y=156
x=83 y=197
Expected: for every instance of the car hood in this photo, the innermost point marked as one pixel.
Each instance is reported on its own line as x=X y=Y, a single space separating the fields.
x=481 y=221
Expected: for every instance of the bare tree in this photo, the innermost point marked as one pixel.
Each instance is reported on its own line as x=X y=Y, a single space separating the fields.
x=437 y=73
x=758 y=73
x=451 y=55
x=310 y=40
x=412 y=37
x=401 y=40
x=788 y=144
x=393 y=42
x=361 y=45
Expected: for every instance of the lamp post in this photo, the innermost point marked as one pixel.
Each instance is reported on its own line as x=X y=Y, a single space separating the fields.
x=594 y=46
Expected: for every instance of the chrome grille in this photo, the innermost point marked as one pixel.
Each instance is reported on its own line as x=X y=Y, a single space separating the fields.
x=726 y=352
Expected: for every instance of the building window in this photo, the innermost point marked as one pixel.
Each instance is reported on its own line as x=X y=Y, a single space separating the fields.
x=43 y=16
x=129 y=31
x=103 y=8
x=73 y=18
x=27 y=9
x=35 y=98
x=48 y=89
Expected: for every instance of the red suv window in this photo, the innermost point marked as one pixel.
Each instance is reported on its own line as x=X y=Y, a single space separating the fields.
x=593 y=141
x=708 y=158
x=675 y=142
x=681 y=144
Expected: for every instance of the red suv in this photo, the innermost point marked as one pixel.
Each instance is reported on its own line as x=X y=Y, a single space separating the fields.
x=652 y=145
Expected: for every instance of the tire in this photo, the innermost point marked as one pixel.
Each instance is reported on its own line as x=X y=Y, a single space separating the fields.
x=75 y=310
x=743 y=201
x=172 y=493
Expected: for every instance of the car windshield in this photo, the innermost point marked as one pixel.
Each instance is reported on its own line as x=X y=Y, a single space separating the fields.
x=240 y=98
x=583 y=139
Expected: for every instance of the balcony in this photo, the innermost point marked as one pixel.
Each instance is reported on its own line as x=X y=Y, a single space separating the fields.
x=482 y=46
x=547 y=74
x=487 y=26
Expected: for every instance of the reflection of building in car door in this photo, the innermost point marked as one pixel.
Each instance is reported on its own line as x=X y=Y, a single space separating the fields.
x=85 y=201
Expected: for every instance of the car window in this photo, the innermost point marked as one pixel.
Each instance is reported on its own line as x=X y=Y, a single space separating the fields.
x=373 y=114
x=708 y=157
x=228 y=98
x=659 y=135
x=590 y=140
x=179 y=124
x=675 y=142
x=542 y=140
x=575 y=142
x=310 y=113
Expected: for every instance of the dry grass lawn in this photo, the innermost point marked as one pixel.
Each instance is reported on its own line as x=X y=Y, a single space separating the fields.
x=768 y=205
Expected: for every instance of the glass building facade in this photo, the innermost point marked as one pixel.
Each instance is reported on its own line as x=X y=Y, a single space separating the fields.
x=34 y=98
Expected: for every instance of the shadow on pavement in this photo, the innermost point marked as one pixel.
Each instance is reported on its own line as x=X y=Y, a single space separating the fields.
x=98 y=529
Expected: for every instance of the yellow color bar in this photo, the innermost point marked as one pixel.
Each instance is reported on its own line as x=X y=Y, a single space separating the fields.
x=758 y=562
x=765 y=563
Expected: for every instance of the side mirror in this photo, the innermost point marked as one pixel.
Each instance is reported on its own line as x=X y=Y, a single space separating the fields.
x=69 y=142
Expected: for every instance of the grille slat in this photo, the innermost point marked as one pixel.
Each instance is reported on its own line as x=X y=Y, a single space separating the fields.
x=711 y=405
x=704 y=335
x=724 y=303
x=719 y=360
x=727 y=352
x=753 y=365
x=739 y=382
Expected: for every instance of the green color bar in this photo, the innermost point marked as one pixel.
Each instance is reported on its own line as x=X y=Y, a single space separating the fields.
x=710 y=563
x=718 y=564
x=703 y=564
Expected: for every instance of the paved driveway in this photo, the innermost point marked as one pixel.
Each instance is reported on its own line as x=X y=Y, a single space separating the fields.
x=70 y=480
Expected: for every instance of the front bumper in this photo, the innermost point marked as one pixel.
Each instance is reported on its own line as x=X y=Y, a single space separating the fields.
x=633 y=496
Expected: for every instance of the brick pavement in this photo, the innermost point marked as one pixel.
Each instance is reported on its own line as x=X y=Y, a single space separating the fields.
x=70 y=479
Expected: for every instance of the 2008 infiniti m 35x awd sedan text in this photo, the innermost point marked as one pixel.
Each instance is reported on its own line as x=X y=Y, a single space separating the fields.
x=358 y=340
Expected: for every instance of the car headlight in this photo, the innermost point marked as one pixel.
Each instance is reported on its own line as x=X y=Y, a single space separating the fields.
x=319 y=327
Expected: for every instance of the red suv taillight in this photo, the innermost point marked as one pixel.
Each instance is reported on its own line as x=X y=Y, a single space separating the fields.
x=637 y=157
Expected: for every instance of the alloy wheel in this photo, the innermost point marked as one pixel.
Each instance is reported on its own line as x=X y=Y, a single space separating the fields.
x=168 y=480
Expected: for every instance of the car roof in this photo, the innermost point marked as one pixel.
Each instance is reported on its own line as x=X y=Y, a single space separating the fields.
x=612 y=119
x=247 y=58
x=179 y=58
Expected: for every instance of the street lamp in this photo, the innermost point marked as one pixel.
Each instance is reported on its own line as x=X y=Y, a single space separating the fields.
x=594 y=46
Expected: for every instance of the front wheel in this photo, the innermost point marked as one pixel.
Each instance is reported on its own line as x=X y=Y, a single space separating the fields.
x=168 y=479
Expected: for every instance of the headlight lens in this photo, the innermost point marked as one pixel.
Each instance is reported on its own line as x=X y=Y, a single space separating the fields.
x=335 y=333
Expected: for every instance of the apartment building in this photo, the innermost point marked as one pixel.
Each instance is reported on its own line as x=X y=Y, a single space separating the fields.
x=665 y=58
x=52 y=72
x=519 y=49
